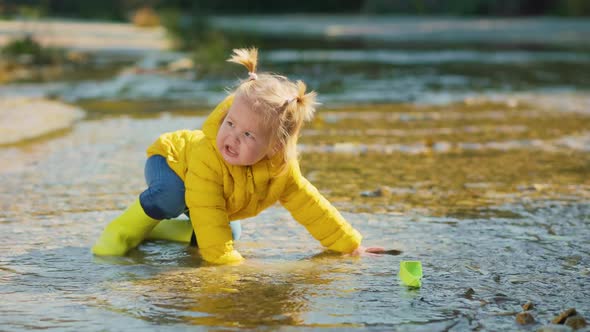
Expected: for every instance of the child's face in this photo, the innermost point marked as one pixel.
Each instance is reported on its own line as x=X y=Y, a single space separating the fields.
x=242 y=138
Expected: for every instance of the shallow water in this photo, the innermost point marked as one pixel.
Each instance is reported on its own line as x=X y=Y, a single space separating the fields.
x=345 y=76
x=512 y=225
x=476 y=164
x=58 y=284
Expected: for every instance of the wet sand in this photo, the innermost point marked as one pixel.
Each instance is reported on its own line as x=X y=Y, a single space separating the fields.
x=25 y=118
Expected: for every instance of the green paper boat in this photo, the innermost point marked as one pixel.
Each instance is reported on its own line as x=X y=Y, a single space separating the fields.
x=410 y=273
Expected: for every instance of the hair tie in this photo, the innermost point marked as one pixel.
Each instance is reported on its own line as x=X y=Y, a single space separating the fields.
x=252 y=76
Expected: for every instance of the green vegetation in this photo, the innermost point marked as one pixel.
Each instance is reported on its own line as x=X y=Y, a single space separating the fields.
x=26 y=50
x=209 y=47
x=26 y=59
x=194 y=33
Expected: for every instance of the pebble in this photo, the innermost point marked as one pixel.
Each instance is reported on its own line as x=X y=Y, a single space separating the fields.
x=469 y=293
x=524 y=318
x=560 y=319
x=528 y=306
x=576 y=322
x=382 y=191
x=555 y=328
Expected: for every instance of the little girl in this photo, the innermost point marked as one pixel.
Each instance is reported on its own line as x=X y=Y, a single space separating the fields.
x=241 y=162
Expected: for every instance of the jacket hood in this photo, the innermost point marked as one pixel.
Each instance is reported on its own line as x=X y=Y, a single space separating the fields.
x=211 y=125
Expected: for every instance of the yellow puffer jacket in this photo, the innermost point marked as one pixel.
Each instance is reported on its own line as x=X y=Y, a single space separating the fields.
x=217 y=192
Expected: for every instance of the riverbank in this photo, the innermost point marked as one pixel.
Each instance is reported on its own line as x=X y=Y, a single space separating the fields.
x=25 y=117
x=104 y=37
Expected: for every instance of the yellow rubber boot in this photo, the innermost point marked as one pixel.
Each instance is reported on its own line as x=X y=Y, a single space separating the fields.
x=125 y=232
x=176 y=230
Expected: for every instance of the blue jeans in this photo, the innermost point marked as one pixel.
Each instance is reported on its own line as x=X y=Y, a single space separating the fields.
x=164 y=197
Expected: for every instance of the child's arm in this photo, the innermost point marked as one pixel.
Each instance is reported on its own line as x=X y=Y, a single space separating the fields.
x=204 y=198
x=321 y=218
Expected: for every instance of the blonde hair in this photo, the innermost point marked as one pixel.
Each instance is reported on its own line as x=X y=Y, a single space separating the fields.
x=283 y=104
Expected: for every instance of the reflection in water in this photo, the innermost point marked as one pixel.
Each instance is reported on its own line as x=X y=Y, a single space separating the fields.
x=244 y=296
x=477 y=273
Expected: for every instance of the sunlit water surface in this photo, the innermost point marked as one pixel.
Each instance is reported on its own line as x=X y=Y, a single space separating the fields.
x=510 y=224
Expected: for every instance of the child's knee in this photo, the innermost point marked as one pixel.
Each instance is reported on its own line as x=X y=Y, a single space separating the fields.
x=162 y=202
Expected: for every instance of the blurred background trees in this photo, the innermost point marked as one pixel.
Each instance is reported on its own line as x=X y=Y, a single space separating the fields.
x=119 y=10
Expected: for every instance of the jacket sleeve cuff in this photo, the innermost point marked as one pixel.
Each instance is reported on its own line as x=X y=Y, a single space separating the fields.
x=218 y=257
x=348 y=243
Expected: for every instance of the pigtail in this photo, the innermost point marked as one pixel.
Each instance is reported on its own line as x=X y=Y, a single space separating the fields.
x=248 y=57
x=298 y=109
x=306 y=103
x=295 y=112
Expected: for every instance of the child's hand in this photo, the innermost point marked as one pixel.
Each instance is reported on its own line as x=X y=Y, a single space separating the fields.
x=368 y=251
